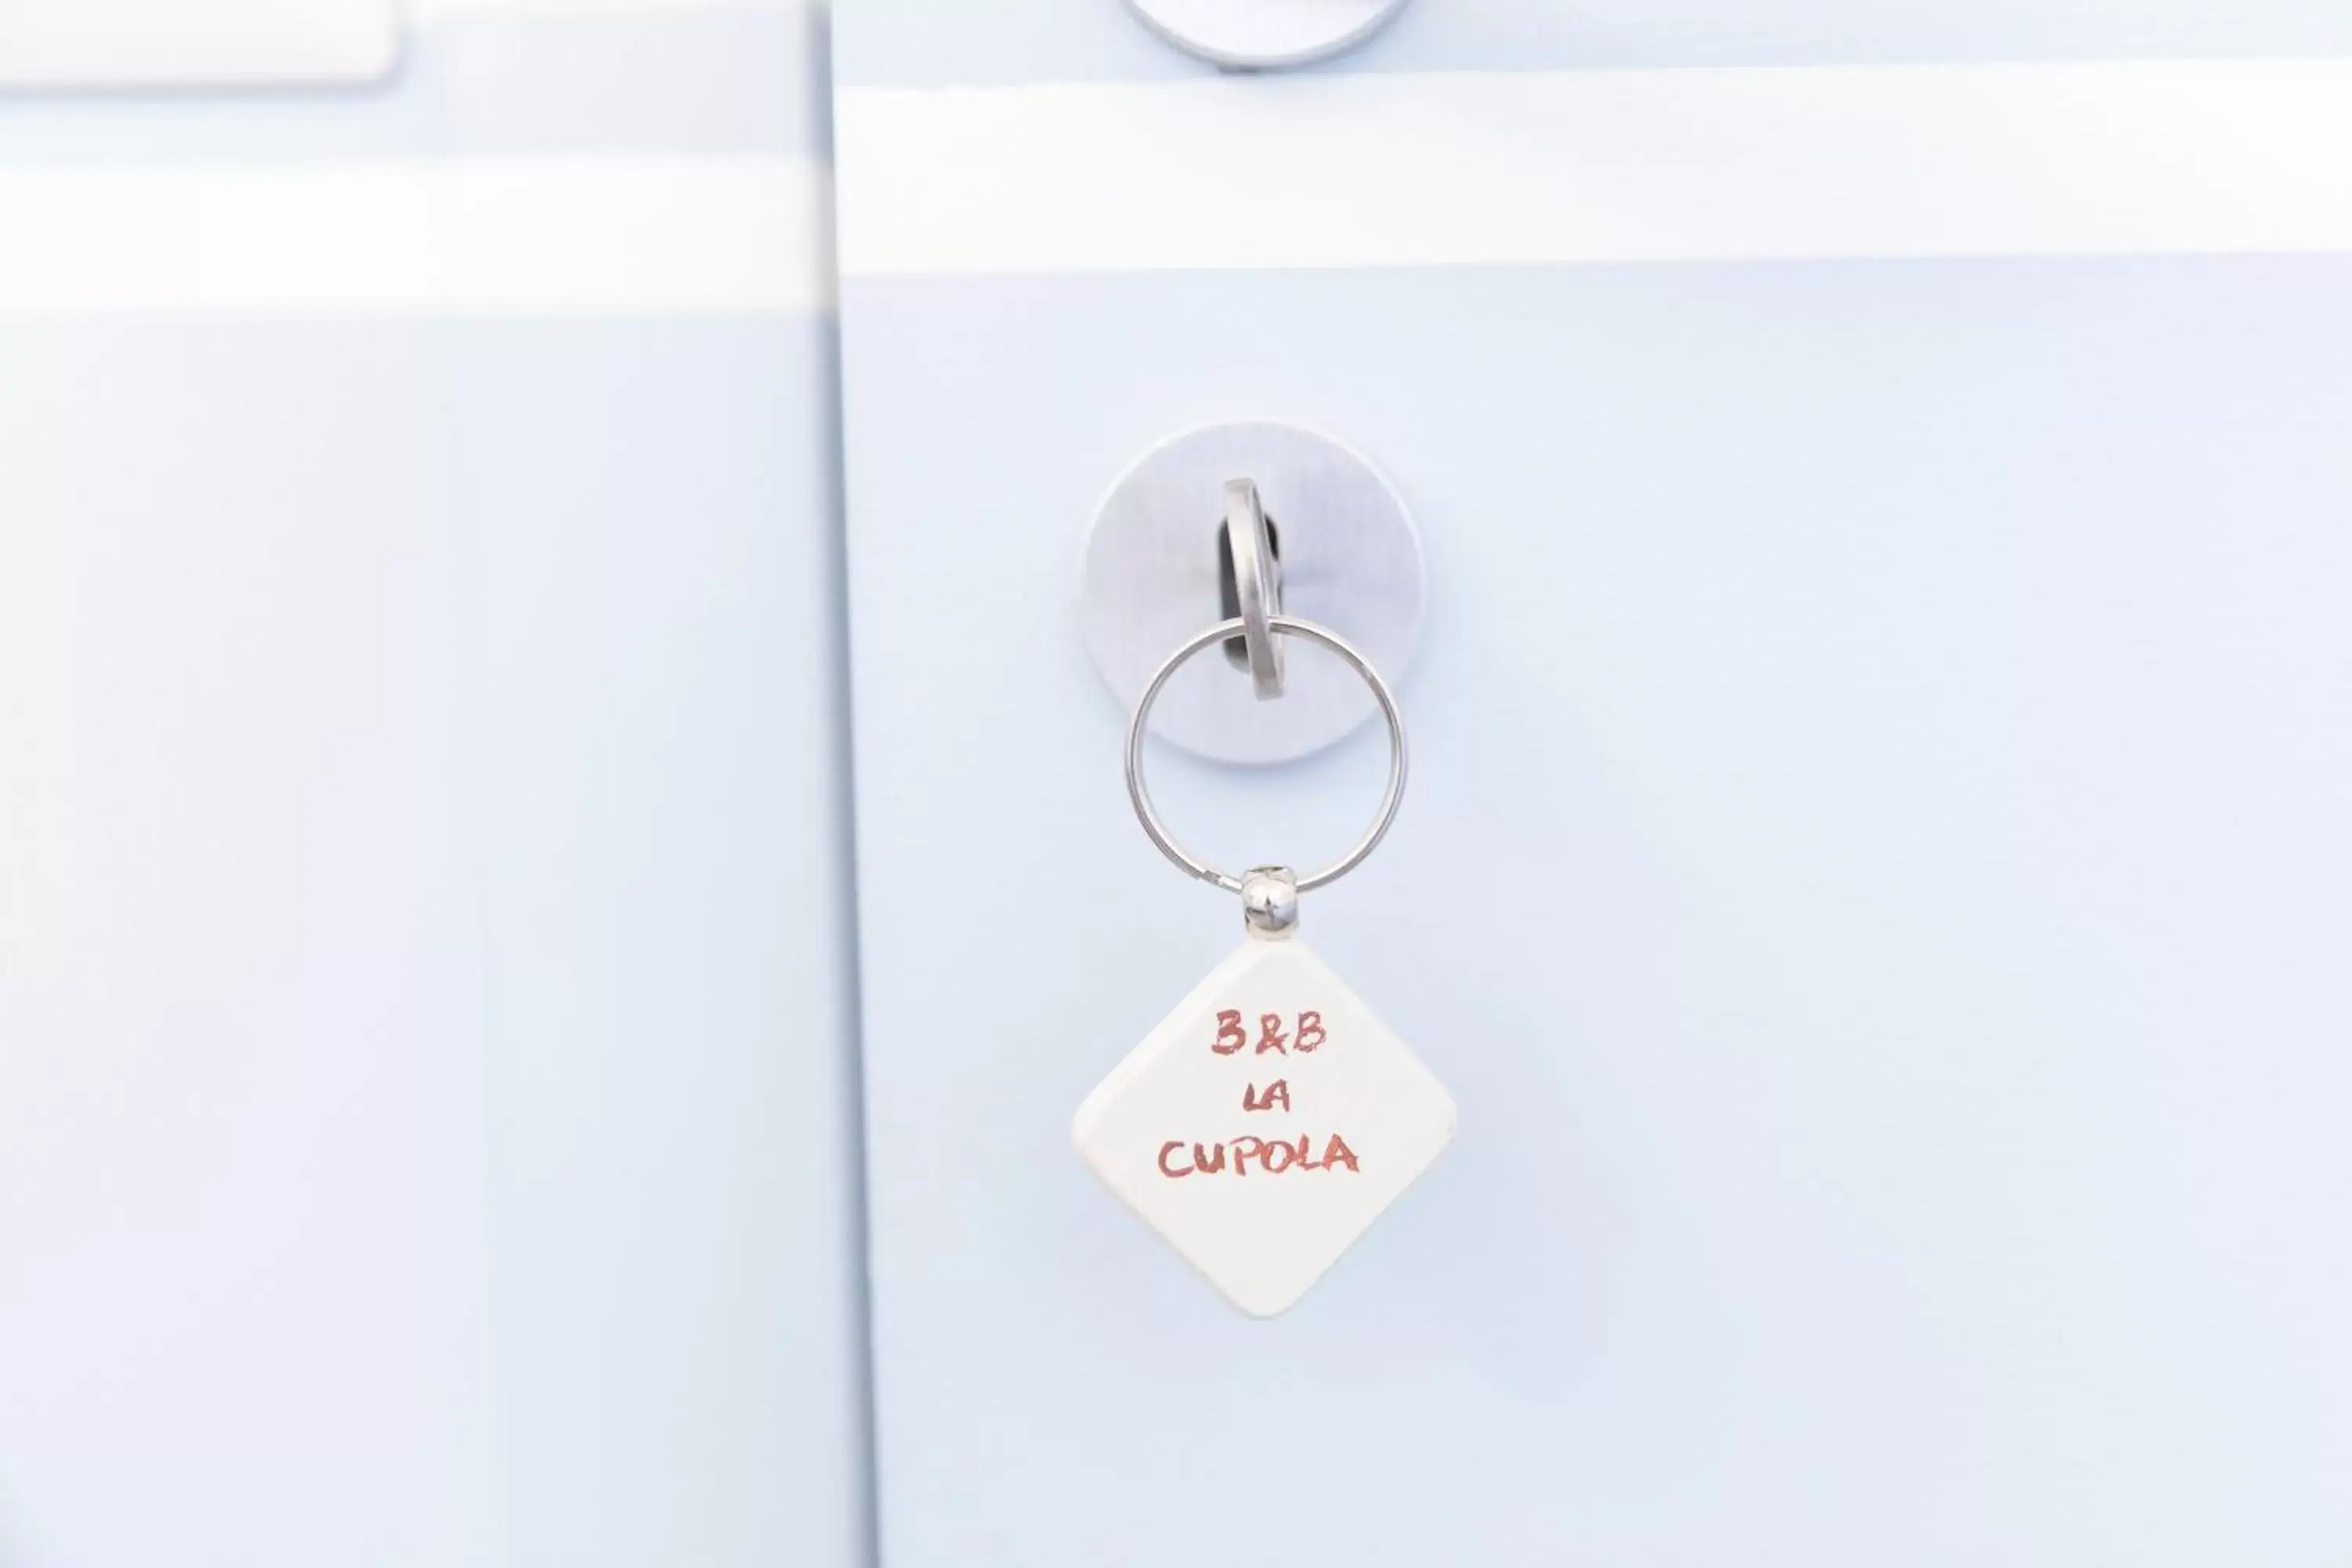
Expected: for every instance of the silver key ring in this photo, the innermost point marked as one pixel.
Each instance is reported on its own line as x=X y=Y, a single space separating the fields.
x=1286 y=625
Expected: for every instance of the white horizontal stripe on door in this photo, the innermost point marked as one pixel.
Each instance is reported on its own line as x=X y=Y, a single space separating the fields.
x=1443 y=169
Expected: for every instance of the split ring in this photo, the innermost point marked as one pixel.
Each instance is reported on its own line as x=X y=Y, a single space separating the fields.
x=1285 y=626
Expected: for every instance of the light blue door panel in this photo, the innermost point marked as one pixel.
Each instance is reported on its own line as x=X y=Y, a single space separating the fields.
x=426 y=1121
x=1873 y=875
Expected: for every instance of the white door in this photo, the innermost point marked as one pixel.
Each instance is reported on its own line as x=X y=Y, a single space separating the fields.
x=425 y=1122
x=1873 y=875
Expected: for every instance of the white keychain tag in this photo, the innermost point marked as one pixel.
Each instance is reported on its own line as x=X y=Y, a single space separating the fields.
x=1265 y=1124
x=1268 y=1119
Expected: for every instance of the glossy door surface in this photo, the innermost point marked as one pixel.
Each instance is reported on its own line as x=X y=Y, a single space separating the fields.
x=426 y=1132
x=1872 y=877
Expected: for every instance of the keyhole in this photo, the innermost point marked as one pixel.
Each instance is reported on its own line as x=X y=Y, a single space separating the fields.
x=1229 y=593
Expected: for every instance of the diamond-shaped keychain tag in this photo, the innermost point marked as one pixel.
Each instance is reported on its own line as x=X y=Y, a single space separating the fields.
x=1265 y=1124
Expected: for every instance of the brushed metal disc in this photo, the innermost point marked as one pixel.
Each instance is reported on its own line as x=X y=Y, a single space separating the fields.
x=1264 y=35
x=1350 y=560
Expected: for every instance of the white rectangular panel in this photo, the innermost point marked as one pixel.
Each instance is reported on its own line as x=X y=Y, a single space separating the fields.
x=195 y=43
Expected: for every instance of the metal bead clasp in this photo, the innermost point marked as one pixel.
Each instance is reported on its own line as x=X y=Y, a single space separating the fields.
x=1270 y=902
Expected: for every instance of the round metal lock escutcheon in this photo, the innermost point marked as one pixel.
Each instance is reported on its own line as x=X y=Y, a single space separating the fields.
x=1347 y=554
x=1265 y=35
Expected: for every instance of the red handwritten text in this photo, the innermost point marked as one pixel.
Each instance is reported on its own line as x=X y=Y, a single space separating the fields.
x=1276 y=1093
x=1273 y=1156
